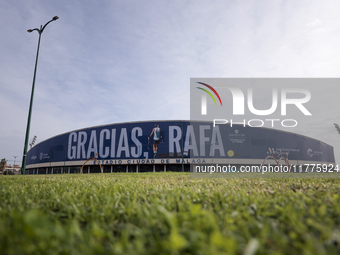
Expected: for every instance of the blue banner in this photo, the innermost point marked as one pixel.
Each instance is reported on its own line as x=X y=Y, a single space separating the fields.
x=168 y=139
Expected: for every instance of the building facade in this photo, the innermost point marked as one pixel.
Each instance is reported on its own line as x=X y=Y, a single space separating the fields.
x=133 y=147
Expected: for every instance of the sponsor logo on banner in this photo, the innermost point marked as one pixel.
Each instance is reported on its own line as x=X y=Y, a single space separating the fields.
x=312 y=153
x=44 y=156
x=237 y=137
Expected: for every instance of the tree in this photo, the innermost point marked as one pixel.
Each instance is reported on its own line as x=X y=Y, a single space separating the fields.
x=2 y=164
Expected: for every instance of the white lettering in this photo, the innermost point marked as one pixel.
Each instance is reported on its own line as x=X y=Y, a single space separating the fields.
x=216 y=142
x=123 y=144
x=190 y=137
x=174 y=141
x=136 y=152
x=93 y=146
x=262 y=112
x=203 y=139
x=289 y=120
x=71 y=150
x=297 y=101
x=82 y=138
x=113 y=143
x=102 y=153
x=262 y=123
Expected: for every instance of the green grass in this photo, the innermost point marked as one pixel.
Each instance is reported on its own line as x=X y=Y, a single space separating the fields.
x=167 y=213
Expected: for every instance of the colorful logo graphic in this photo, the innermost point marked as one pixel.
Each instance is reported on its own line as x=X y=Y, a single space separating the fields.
x=213 y=90
x=204 y=98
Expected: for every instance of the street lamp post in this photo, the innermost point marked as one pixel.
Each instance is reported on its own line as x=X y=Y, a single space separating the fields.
x=14 y=163
x=32 y=93
x=14 y=159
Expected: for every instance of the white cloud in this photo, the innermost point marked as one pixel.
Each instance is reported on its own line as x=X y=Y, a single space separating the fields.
x=314 y=23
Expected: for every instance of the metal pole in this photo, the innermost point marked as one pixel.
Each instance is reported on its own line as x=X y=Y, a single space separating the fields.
x=23 y=166
x=30 y=110
x=182 y=148
x=14 y=163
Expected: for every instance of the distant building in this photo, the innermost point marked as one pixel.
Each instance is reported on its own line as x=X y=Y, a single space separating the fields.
x=15 y=169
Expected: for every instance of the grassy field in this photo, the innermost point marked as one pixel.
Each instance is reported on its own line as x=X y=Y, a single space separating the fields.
x=167 y=213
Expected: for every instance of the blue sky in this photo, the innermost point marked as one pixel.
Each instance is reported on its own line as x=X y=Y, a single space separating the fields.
x=106 y=62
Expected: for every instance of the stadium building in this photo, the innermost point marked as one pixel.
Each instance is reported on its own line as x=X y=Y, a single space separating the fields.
x=127 y=147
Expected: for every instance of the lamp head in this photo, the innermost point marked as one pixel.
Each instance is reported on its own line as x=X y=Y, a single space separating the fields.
x=29 y=30
x=55 y=18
